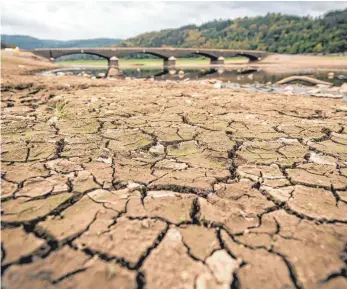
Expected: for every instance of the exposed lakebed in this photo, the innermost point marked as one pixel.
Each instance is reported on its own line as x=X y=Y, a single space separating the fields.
x=244 y=75
x=248 y=78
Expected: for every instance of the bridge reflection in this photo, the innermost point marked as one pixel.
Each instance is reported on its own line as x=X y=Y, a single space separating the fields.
x=181 y=73
x=195 y=73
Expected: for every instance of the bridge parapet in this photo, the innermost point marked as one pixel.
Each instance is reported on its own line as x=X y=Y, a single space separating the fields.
x=216 y=56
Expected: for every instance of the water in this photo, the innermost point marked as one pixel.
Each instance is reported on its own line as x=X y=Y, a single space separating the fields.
x=241 y=76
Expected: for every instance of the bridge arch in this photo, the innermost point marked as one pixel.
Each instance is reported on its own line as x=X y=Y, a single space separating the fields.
x=207 y=55
x=146 y=53
x=249 y=56
x=79 y=53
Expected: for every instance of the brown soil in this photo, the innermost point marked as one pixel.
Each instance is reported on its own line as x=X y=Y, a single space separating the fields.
x=144 y=184
x=305 y=60
x=282 y=63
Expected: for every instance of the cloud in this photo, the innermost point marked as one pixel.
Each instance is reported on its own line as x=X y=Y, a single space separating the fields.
x=78 y=20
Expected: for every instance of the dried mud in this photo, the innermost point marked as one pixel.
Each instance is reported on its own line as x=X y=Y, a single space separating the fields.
x=140 y=184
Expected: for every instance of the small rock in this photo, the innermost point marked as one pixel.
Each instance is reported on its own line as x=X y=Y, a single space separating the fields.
x=222 y=266
x=289 y=140
x=94 y=99
x=171 y=165
x=133 y=186
x=159 y=149
x=54 y=100
x=288 y=88
x=321 y=159
x=145 y=223
x=217 y=85
x=314 y=91
x=107 y=185
x=334 y=89
x=53 y=120
x=328 y=95
x=174 y=237
x=343 y=108
x=322 y=86
x=343 y=88
x=104 y=160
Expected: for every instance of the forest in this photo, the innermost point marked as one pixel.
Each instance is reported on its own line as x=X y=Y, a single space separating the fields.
x=274 y=33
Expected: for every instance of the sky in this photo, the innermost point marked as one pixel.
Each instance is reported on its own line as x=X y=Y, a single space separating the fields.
x=65 y=20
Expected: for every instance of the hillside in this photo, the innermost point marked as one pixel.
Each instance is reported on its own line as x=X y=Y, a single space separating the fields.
x=28 y=42
x=273 y=32
x=5 y=45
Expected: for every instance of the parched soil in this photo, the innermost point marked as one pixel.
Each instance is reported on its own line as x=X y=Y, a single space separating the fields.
x=145 y=184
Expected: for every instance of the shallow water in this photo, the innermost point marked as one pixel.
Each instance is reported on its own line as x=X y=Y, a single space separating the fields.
x=241 y=76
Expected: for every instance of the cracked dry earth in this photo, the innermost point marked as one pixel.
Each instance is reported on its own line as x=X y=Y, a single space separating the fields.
x=139 y=184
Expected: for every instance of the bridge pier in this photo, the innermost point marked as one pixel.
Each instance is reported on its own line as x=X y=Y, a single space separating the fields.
x=218 y=61
x=170 y=62
x=113 y=62
x=113 y=67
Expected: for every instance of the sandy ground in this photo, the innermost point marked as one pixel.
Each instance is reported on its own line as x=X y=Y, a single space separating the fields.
x=144 y=184
x=305 y=61
x=280 y=64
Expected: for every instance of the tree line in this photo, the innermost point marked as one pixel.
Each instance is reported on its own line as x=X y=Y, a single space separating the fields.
x=274 y=32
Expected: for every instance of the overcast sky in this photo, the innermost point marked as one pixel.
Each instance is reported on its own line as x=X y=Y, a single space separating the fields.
x=80 y=20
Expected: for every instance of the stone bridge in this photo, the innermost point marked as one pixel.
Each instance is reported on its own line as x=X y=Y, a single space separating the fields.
x=169 y=55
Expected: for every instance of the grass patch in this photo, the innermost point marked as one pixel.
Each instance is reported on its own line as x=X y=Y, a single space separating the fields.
x=60 y=109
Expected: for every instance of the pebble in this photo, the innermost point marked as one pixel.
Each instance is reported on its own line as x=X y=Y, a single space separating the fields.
x=321 y=159
x=53 y=120
x=145 y=223
x=159 y=149
x=105 y=160
x=133 y=186
x=217 y=85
